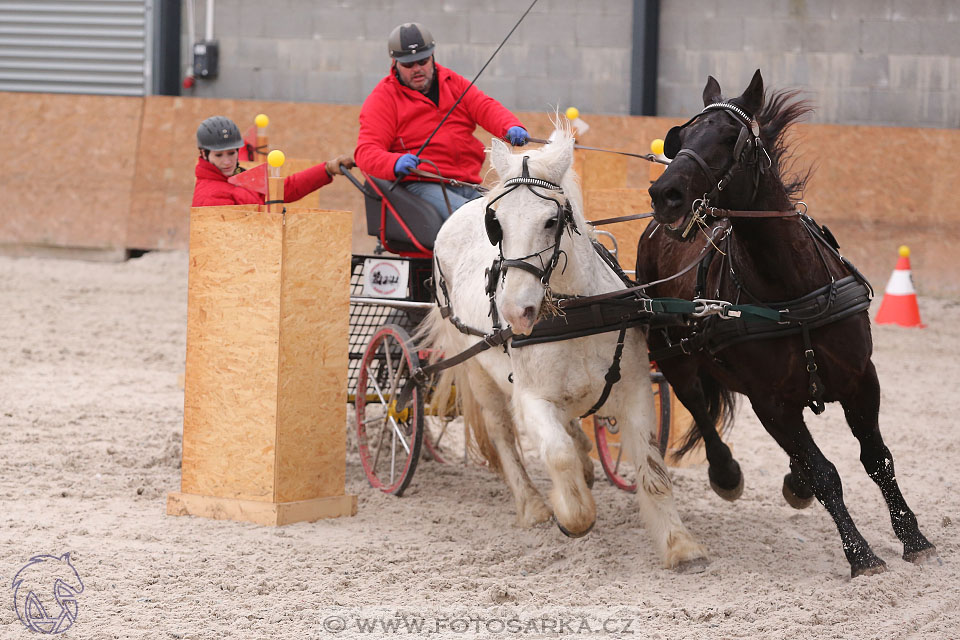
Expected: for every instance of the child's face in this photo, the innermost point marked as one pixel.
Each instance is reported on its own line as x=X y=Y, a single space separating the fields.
x=225 y=160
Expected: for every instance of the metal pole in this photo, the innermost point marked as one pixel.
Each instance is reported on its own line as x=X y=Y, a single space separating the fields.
x=646 y=42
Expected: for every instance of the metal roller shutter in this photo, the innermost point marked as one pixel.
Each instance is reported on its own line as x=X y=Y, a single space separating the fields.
x=75 y=46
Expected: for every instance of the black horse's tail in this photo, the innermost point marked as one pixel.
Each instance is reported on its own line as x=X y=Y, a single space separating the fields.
x=720 y=402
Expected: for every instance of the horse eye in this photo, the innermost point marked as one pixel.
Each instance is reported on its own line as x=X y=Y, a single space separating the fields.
x=550 y=223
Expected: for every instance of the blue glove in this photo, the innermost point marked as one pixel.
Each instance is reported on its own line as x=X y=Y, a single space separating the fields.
x=518 y=136
x=405 y=164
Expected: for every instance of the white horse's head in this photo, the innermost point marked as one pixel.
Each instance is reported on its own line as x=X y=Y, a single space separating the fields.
x=538 y=215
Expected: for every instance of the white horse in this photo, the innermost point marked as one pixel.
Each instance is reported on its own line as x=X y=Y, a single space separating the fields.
x=552 y=383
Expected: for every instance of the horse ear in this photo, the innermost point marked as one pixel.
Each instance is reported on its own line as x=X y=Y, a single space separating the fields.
x=711 y=92
x=564 y=158
x=753 y=97
x=500 y=157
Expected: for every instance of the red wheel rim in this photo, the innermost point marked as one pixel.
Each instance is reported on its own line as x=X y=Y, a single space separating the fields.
x=388 y=438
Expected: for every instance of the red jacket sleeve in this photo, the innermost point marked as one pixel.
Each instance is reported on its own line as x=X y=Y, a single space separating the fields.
x=378 y=129
x=301 y=183
x=201 y=199
x=485 y=111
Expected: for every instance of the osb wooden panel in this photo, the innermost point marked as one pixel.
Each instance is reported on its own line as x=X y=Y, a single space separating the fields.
x=233 y=322
x=315 y=296
x=79 y=197
x=167 y=157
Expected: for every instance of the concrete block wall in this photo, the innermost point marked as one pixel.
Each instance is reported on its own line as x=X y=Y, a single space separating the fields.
x=566 y=52
x=879 y=62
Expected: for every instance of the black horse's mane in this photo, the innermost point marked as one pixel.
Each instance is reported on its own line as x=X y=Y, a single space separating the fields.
x=781 y=110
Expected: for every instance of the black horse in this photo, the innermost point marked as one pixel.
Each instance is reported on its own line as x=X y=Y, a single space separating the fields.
x=727 y=220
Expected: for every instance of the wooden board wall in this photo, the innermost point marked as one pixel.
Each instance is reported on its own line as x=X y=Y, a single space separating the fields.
x=67 y=168
x=876 y=187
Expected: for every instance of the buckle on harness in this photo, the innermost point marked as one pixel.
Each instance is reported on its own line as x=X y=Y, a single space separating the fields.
x=811 y=362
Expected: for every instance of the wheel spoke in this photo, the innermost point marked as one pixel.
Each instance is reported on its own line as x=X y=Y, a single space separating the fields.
x=385 y=401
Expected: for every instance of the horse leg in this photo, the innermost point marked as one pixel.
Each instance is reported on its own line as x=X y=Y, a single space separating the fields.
x=584 y=446
x=788 y=429
x=573 y=504
x=724 y=473
x=498 y=427
x=862 y=412
x=677 y=547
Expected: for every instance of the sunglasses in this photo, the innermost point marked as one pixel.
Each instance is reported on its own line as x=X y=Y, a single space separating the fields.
x=418 y=63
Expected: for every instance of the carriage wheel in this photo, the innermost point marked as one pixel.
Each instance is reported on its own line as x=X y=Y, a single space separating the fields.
x=388 y=436
x=620 y=471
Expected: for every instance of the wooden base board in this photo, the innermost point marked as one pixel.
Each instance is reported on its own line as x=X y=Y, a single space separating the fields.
x=274 y=514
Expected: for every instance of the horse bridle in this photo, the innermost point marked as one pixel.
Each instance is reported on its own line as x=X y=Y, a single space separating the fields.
x=748 y=153
x=565 y=220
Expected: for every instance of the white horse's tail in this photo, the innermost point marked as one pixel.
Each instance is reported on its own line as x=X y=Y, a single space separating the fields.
x=452 y=392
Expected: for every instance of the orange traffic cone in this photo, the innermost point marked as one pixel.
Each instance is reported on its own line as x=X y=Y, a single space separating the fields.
x=899 y=304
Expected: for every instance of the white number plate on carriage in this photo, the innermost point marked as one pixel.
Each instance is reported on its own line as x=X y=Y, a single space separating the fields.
x=385 y=278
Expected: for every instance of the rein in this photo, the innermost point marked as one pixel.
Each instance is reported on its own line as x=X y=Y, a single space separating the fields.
x=649 y=157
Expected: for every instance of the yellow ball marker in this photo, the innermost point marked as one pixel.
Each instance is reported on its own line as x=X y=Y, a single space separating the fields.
x=261 y=120
x=904 y=251
x=276 y=158
x=572 y=113
x=657 y=147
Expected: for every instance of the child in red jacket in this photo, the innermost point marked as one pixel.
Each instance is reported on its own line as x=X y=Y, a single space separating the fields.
x=219 y=140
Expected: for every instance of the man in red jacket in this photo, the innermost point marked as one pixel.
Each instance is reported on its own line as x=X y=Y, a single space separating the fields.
x=219 y=140
x=406 y=106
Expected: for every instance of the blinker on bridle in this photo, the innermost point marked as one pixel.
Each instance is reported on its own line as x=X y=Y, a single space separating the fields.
x=564 y=220
x=747 y=152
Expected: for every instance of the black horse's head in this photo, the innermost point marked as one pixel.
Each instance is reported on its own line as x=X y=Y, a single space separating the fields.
x=718 y=156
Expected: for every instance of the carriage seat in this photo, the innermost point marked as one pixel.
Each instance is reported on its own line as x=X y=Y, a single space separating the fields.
x=410 y=224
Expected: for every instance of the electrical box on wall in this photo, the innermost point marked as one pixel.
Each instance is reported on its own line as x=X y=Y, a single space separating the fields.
x=206 y=58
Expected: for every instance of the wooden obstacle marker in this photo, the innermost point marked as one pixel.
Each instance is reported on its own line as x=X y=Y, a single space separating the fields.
x=266 y=369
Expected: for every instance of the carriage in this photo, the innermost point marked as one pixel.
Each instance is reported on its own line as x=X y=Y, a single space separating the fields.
x=390 y=294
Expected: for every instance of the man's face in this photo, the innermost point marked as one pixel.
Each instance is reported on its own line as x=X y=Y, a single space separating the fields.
x=417 y=75
x=226 y=161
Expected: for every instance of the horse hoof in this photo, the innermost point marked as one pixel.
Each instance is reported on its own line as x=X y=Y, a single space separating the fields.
x=728 y=494
x=569 y=534
x=926 y=556
x=870 y=570
x=695 y=565
x=790 y=494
